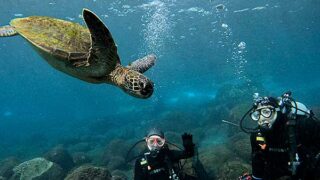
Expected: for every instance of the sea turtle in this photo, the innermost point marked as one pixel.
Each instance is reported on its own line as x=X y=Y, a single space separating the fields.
x=89 y=54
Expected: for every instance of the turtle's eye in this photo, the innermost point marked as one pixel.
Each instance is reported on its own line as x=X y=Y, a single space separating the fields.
x=141 y=84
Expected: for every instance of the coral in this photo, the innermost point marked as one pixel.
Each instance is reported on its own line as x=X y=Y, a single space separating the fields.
x=89 y=173
x=39 y=169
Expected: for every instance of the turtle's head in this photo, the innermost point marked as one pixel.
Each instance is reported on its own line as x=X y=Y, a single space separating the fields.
x=138 y=85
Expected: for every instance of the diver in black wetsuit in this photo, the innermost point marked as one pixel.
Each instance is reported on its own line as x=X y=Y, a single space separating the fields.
x=286 y=144
x=161 y=163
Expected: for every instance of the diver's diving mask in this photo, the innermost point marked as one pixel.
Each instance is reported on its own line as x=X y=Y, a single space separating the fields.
x=265 y=115
x=265 y=112
x=155 y=142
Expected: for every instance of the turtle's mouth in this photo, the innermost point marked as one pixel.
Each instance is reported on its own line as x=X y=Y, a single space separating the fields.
x=147 y=90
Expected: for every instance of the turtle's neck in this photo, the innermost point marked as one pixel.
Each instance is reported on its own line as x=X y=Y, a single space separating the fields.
x=117 y=76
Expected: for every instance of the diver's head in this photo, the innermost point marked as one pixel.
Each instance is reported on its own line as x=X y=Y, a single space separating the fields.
x=138 y=85
x=155 y=140
x=265 y=112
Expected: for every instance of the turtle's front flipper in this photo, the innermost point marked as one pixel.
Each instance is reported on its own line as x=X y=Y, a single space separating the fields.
x=103 y=51
x=6 y=31
x=143 y=64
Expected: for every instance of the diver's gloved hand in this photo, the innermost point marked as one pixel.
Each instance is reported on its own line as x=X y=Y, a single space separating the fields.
x=187 y=141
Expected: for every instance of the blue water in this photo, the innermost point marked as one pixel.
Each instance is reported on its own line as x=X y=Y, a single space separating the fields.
x=266 y=45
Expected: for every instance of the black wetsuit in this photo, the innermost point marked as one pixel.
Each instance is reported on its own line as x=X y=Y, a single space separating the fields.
x=158 y=167
x=271 y=162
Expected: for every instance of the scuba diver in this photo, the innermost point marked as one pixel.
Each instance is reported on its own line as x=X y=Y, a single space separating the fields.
x=160 y=162
x=286 y=143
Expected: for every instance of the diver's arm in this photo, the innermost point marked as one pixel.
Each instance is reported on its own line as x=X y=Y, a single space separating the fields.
x=257 y=158
x=138 y=171
x=177 y=155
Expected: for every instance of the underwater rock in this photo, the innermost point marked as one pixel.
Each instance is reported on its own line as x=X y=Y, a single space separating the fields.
x=80 y=158
x=235 y=116
x=220 y=159
x=188 y=168
x=233 y=169
x=116 y=147
x=212 y=136
x=214 y=157
x=60 y=156
x=228 y=160
x=238 y=111
x=116 y=162
x=214 y=113
x=89 y=173
x=6 y=167
x=38 y=169
x=118 y=178
x=241 y=146
x=118 y=175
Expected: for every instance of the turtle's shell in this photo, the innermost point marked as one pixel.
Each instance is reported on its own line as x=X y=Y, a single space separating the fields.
x=49 y=33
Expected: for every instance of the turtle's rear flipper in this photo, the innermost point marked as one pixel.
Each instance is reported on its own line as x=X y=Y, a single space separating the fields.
x=143 y=64
x=6 y=31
